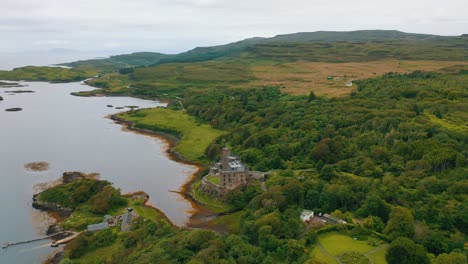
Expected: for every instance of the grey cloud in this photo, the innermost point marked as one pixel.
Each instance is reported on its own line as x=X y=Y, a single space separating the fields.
x=177 y=25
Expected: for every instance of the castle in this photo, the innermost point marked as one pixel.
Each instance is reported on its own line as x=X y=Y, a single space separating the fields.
x=229 y=173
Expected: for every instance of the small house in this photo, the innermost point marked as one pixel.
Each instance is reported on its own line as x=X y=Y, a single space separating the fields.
x=97 y=227
x=307 y=215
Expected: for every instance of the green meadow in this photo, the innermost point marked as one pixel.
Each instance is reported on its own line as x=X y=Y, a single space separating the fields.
x=193 y=136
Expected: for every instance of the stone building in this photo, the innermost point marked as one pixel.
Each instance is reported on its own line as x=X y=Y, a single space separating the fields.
x=229 y=173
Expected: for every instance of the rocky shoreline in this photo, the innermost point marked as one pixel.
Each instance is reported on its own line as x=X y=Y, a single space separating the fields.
x=60 y=211
x=50 y=207
x=201 y=213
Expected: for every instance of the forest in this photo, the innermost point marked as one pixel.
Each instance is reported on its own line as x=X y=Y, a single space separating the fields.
x=390 y=159
x=388 y=155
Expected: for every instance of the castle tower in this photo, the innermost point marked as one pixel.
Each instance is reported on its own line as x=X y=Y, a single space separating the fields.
x=225 y=158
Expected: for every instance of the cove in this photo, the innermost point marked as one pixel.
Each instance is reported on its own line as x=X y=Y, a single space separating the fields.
x=73 y=134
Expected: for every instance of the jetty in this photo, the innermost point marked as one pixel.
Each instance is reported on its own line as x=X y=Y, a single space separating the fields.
x=65 y=240
x=9 y=244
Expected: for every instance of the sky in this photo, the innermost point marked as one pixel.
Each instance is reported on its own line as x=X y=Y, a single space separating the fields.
x=173 y=26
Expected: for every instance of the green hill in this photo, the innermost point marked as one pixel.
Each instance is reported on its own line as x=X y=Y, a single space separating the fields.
x=307 y=45
x=119 y=61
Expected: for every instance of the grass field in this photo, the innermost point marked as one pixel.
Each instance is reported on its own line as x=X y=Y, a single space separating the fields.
x=194 y=137
x=320 y=257
x=145 y=211
x=378 y=257
x=302 y=77
x=298 y=77
x=213 y=179
x=336 y=244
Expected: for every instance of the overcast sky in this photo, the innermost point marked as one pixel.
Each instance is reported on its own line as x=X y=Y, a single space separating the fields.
x=178 y=25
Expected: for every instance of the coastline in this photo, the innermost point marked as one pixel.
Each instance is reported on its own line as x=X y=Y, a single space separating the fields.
x=184 y=190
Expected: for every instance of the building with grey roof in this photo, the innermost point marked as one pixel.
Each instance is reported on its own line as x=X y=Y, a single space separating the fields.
x=97 y=227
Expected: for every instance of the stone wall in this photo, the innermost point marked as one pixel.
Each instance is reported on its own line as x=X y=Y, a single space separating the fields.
x=211 y=188
x=256 y=175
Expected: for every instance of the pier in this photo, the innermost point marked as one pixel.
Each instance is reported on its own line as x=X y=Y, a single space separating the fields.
x=65 y=240
x=8 y=244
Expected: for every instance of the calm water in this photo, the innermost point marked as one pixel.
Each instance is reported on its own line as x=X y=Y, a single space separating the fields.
x=72 y=134
x=8 y=61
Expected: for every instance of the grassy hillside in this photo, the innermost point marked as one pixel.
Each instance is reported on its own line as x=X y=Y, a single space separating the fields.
x=322 y=62
x=345 y=46
x=295 y=77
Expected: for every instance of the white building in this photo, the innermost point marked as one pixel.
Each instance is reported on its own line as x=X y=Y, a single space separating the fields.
x=307 y=215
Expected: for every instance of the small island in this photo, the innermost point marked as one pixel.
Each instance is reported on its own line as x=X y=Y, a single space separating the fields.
x=14 y=109
x=37 y=166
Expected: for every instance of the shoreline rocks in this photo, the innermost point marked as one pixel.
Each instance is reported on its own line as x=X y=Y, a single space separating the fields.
x=14 y=109
x=11 y=85
x=50 y=207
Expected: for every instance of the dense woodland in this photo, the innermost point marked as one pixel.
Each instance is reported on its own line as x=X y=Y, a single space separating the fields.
x=395 y=150
x=393 y=154
x=390 y=158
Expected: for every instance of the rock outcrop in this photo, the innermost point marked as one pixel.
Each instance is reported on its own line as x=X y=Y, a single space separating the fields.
x=50 y=207
x=70 y=176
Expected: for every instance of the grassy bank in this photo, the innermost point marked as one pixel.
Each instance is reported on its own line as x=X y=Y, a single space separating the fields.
x=194 y=137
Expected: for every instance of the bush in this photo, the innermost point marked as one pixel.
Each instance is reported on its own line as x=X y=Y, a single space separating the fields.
x=108 y=199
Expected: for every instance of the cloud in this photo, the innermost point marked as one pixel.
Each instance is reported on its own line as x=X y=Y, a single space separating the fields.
x=51 y=42
x=177 y=25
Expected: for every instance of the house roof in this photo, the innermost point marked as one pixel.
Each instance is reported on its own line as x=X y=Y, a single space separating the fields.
x=306 y=213
x=97 y=227
x=336 y=219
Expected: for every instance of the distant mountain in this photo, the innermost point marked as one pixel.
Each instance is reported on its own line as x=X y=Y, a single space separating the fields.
x=353 y=36
x=312 y=46
x=307 y=39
